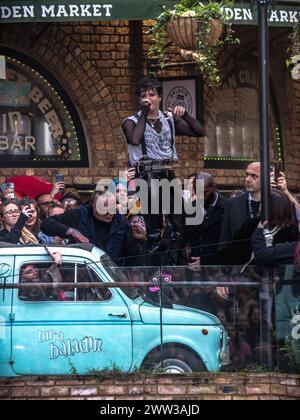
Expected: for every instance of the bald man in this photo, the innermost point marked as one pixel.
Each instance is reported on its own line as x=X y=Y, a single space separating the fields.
x=240 y=220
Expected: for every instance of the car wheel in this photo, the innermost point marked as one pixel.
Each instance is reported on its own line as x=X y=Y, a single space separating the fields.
x=178 y=360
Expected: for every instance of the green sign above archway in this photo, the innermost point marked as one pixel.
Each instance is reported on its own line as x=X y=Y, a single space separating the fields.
x=82 y=10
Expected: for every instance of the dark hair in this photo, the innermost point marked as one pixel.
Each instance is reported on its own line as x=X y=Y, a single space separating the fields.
x=72 y=193
x=40 y=196
x=148 y=83
x=206 y=177
x=192 y=175
x=282 y=210
x=55 y=205
x=27 y=201
x=7 y=203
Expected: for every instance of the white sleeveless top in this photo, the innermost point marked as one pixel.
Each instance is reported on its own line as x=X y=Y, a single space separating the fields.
x=158 y=145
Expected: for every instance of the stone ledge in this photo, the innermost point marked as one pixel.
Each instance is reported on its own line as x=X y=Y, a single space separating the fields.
x=200 y=386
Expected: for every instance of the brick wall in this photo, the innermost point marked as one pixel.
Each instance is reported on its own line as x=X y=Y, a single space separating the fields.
x=155 y=387
x=286 y=91
x=97 y=63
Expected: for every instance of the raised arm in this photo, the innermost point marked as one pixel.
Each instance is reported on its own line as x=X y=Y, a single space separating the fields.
x=134 y=133
x=185 y=125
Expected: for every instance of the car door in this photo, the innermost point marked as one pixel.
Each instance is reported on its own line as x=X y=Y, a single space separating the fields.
x=6 y=315
x=74 y=330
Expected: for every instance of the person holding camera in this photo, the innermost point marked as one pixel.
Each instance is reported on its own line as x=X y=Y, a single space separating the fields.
x=13 y=224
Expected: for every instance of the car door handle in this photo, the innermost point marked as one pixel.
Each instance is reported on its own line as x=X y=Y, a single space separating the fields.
x=118 y=315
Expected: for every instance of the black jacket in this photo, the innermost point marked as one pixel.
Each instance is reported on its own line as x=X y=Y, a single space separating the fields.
x=236 y=215
x=235 y=241
x=204 y=238
x=280 y=254
x=119 y=244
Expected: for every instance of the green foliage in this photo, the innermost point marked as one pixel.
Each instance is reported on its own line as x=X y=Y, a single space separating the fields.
x=73 y=370
x=206 y=55
x=291 y=353
x=107 y=371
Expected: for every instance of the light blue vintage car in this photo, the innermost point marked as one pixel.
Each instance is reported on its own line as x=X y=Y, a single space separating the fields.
x=73 y=330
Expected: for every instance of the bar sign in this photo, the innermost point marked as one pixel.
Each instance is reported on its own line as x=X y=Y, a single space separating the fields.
x=2 y=67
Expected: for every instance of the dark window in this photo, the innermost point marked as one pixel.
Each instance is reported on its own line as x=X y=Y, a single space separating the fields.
x=39 y=274
x=38 y=121
x=232 y=120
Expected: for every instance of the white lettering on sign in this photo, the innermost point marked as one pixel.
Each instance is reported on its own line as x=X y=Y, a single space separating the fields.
x=293 y=17
x=284 y=16
x=85 y=10
x=239 y=14
x=108 y=8
x=274 y=17
x=97 y=10
x=47 y=11
x=60 y=346
x=47 y=110
x=73 y=10
x=17 y=143
x=16 y=12
x=14 y=122
x=281 y=16
x=61 y=11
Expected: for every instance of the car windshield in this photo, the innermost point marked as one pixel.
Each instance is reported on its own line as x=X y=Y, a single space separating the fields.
x=119 y=276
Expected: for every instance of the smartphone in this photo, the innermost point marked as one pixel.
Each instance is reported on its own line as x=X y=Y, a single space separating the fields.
x=278 y=168
x=60 y=178
x=26 y=201
x=9 y=190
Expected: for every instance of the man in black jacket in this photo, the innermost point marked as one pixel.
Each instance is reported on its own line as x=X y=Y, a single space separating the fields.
x=204 y=238
x=241 y=220
x=100 y=224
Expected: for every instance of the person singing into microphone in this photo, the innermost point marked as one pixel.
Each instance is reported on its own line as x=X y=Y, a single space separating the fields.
x=151 y=136
x=150 y=133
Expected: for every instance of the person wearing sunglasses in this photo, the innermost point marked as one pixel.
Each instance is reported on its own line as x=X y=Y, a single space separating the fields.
x=13 y=224
x=44 y=202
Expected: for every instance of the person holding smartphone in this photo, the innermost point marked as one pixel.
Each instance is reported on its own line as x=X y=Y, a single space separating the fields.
x=13 y=224
x=45 y=200
x=59 y=184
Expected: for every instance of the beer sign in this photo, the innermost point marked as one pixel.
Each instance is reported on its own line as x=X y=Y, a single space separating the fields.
x=37 y=124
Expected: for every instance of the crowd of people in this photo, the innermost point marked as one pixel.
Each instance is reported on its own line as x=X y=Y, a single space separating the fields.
x=232 y=231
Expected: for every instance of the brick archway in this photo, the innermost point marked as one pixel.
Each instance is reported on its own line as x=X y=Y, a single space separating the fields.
x=285 y=92
x=53 y=48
